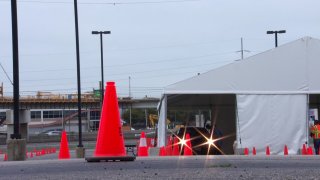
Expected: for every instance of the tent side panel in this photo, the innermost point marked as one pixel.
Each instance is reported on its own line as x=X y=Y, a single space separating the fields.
x=272 y=120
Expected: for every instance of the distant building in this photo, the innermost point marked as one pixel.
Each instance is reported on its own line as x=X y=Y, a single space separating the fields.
x=51 y=111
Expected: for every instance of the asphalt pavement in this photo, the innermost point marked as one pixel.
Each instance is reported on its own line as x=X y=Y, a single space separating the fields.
x=173 y=167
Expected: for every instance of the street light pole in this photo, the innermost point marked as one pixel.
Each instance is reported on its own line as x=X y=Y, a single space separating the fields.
x=80 y=149
x=102 y=74
x=16 y=130
x=276 y=35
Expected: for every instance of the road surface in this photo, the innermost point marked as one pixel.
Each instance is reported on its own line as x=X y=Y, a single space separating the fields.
x=195 y=167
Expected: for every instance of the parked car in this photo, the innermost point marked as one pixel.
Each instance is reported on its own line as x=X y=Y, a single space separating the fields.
x=200 y=140
x=52 y=132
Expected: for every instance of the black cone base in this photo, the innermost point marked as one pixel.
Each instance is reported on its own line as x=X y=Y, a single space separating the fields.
x=110 y=158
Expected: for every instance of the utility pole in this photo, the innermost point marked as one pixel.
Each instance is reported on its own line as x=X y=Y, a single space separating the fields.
x=242 y=50
x=129 y=87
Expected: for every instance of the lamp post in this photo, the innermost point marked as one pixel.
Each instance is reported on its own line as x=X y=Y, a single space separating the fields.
x=80 y=151
x=101 y=46
x=16 y=130
x=276 y=35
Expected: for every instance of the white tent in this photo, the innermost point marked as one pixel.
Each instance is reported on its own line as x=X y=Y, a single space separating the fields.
x=269 y=92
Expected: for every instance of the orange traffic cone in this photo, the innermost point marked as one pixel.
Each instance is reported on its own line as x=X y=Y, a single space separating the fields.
x=285 y=151
x=175 y=151
x=254 y=152
x=110 y=140
x=267 y=151
x=162 y=151
x=143 y=148
x=304 y=149
x=310 y=151
x=43 y=152
x=246 y=151
x=64 y=148
x=5 y=157
x=169 y=147
x=187 y=151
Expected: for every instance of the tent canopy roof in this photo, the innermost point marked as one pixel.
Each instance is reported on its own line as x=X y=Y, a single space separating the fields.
x=290 y=68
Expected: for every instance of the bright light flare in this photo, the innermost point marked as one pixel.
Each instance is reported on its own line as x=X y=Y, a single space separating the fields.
x=183 y=142
x=210 y=142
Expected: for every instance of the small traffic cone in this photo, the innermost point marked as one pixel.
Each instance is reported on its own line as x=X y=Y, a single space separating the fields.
x=162 y=151
x=285 y=151
x=246 y=151
x=267 y=151
x=304 y=149
x=5 y=157
x=187 y=151
x=43 y=152
x=175 y=151
x=309 y=151
x=169 y=147
x=64 y=148
x=110 y=140
x=143 y=148
x=254 y=152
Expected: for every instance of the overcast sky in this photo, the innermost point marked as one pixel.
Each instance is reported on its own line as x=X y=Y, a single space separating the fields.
x=155 y=42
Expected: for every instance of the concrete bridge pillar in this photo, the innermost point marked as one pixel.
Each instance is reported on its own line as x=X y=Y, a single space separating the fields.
x=16 y=148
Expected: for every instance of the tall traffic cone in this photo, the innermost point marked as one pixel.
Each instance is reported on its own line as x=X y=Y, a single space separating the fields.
x=254 y=152
x=187 y=151
x=304 y=149
x=267 y=151
x=246 y=151
x=64 y=148
x=143 y=148
x=285 y=151
x=175 y=151
x=110 y=141
x=162 y=151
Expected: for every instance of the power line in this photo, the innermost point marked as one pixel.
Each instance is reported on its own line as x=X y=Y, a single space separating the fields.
x=170 y=60
x=105 y=3
x=134 y=72
x=6 y=73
